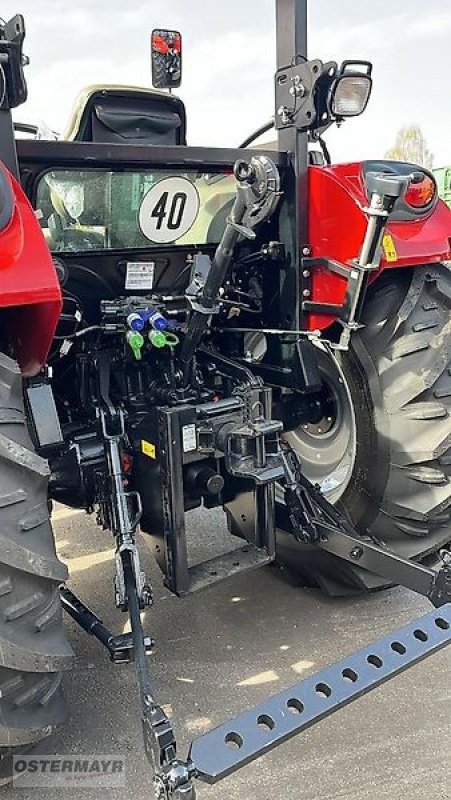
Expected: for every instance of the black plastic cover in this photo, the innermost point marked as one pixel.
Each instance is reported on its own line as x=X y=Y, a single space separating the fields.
x=41 y=406
x=116 y=117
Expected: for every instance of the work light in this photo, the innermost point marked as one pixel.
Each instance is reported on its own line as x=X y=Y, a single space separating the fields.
x=350 y=92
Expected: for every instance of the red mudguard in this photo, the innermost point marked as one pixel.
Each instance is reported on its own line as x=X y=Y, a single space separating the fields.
x=337 y=225
x=30 y=296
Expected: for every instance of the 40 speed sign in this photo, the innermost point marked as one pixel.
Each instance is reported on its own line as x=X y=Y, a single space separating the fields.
x=168 y=210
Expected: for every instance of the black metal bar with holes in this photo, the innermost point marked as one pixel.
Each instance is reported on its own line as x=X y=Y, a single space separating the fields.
x=239 y=741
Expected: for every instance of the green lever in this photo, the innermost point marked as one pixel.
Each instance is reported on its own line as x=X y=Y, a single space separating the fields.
x=136 y=342
x=157 y=338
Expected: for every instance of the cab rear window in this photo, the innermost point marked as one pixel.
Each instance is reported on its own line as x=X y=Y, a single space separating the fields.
x=82 y=210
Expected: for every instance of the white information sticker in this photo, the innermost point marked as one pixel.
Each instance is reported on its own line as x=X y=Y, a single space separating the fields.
x=139 y=275
x=189 y=438
x=169 y=210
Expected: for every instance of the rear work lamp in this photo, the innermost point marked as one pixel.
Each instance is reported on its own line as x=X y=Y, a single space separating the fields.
x=351 y=90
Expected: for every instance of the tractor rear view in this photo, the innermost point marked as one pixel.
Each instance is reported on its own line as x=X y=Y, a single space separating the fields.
x=185 y=330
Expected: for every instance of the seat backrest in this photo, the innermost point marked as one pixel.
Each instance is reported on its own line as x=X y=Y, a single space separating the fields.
x=127 y=115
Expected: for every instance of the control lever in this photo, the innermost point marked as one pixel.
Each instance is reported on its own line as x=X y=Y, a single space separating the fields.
x=384 y=189
x=258 y=192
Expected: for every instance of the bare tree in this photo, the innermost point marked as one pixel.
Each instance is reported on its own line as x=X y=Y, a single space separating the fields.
x=410 y=145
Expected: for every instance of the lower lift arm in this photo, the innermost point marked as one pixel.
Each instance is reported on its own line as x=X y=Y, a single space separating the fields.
x=316 y=521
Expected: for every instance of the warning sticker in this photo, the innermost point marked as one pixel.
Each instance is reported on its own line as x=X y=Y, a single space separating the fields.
x=389 y=248
x=189 y=438
x=148 y=449
x=139 y=275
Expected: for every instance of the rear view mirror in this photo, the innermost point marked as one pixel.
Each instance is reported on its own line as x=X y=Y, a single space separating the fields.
x=166 y=59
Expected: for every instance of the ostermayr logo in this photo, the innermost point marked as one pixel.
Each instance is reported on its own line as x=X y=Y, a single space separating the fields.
x=101 y=771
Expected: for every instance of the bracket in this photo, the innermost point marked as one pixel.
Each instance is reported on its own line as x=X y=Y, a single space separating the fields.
x=295 y=106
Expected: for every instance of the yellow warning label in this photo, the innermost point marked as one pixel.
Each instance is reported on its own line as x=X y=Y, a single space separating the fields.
x=148 y=449
x=389 y=248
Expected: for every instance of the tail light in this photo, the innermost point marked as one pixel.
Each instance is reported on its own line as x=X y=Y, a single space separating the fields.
x=421 y=192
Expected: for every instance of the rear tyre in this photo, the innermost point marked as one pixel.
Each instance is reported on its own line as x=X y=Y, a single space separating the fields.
x=33 y=646
x=392 y=456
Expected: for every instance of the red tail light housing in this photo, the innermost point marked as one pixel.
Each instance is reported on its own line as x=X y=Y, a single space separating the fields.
x=421 y=193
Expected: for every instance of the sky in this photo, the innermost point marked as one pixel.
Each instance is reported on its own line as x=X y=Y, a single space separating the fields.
x=229 y=59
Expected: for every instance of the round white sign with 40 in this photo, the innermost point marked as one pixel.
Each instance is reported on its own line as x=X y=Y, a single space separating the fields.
x=168 y=210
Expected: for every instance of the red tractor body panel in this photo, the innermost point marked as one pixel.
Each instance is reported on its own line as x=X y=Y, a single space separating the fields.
x=337 y=224
x=30 y=295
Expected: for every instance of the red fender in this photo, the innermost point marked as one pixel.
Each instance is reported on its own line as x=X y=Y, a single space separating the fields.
x=337 y=225
x=30 y=295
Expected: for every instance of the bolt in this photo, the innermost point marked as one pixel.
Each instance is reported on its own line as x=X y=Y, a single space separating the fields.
x=306 y=293
x=298 y=87
x=146 y=596
x=306 y=273
x=356 y=553
x=306 y=251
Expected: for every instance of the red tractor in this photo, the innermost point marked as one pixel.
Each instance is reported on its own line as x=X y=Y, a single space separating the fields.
x=166 y=54
x=188 y=331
